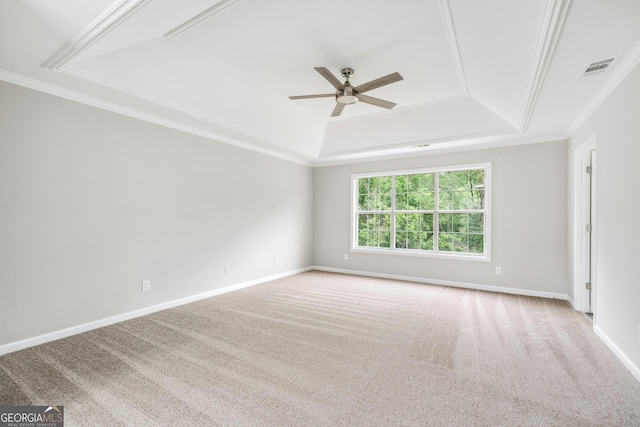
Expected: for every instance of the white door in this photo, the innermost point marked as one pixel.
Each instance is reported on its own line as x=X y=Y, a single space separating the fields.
x=586 y=230
x=590 y=250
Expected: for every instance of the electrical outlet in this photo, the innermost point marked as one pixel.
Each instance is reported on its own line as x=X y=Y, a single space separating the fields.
x=498 y=270
x=226 y=269
x=346 y=257
x=146 y=285
x=277 y=260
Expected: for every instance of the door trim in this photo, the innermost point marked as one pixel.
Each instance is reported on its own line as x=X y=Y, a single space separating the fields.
x=584 y=213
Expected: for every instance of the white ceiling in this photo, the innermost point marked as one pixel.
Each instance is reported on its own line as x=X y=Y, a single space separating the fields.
x=476 y=73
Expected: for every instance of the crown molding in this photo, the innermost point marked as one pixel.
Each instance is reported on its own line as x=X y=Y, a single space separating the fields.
x=410 y=146
x=201 y=17
x=107 y=21
x=554 y=18
x=474 y=142
x=81 y=98
x=295 y=157
x=468 y=143
x=453 y=45
x=619 y=74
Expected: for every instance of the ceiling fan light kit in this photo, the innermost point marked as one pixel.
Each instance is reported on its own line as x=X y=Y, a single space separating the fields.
x=347 y=94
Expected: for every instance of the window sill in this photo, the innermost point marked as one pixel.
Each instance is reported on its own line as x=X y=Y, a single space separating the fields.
x=421 y=254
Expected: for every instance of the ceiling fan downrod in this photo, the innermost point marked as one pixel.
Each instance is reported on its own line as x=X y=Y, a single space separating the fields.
x=347 y=95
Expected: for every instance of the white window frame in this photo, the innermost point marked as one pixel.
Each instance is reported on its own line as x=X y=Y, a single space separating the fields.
x=486 y=256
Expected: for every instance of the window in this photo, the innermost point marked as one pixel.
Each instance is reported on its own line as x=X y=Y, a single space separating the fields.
x=433 y=212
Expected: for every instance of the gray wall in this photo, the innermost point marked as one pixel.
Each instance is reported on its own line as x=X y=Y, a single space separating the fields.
x=529 y=225
x=92 y=203
x=617 y=122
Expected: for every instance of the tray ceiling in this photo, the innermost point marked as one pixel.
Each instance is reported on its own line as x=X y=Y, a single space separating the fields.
x=476 y=74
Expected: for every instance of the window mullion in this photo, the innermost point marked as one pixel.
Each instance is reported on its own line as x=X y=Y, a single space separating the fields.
x=392 y=243
x=436 y=213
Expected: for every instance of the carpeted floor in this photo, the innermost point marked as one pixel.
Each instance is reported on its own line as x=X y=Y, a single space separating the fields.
x=326 y=349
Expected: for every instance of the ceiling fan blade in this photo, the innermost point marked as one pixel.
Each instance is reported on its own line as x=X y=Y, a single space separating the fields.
x=338 y=110
x=322 y=95
x=382 y=81
x=375 y=101
x=330 y=77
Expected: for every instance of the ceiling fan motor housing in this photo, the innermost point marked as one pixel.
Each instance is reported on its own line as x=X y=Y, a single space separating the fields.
x=347 y=95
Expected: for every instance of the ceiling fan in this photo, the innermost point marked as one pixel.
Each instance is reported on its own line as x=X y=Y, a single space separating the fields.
x=347 y=94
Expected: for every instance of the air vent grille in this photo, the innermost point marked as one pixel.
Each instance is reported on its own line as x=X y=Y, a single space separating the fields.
x=597 y=67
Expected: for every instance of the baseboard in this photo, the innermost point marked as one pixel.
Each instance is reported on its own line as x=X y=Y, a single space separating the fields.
x=476 y=286
x=63 y=333
x=628 y=363
x=74 y=330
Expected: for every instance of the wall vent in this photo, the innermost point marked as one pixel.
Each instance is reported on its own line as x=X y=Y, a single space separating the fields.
x=597 y=67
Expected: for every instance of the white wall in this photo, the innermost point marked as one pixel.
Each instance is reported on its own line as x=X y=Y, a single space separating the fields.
x=529 y=226
x=92 y=203
x=617 y=304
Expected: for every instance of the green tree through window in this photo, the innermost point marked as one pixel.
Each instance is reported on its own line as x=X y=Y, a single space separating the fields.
x=430 y=211
x=374 y=203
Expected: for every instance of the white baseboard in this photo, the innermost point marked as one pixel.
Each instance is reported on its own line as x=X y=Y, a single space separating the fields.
x=490 y=288
x=56 y=335
x=63 y=333
x=635 y=371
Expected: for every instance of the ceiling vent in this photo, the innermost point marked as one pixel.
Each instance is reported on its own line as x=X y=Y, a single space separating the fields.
x=597 y=67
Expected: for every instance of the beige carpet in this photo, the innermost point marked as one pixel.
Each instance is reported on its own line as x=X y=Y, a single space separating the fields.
x=326 y=349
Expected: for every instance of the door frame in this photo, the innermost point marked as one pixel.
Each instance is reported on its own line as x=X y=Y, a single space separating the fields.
x=585 y=213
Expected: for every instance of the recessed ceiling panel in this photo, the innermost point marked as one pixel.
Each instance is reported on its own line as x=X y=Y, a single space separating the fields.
x=497 y=40
x=278 y=43
x=162 y=71
x=594 y=31
x=153 y=19
x=433 y=123
x=473 y=70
